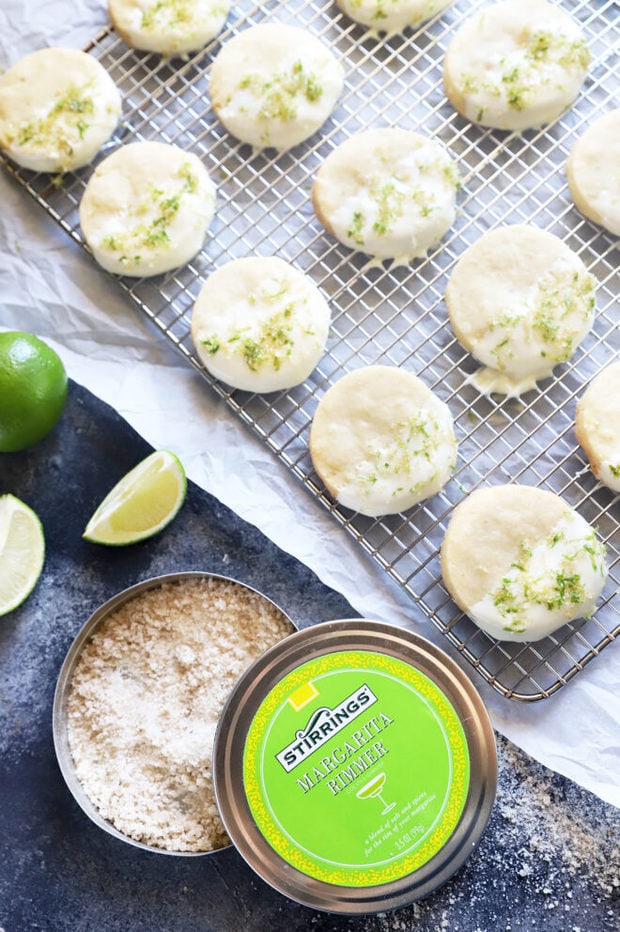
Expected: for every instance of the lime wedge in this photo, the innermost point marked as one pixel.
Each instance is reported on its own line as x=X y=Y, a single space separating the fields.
x=142 y=503
x=22 y=552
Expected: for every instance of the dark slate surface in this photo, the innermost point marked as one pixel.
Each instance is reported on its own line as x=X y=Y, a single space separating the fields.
x=547 y=859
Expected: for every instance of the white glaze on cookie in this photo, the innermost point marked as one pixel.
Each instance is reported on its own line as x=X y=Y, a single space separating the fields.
x=57 y=109
x=260 y=324
x=146 y=209
x=382 y=441
x=389 y=193
x=516 y=64
x=274 y=85
x=520 y=301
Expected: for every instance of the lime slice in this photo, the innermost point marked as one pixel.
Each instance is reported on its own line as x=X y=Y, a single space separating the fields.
x=22 y=552
x=142 y=503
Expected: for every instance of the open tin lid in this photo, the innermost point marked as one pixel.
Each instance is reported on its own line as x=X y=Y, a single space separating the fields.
x=354 y=766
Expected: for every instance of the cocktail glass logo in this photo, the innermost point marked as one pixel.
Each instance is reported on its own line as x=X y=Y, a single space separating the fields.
x=323 y=724
x=373 y=789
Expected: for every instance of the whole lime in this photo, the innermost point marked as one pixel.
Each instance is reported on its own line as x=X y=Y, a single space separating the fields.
x=33 y=389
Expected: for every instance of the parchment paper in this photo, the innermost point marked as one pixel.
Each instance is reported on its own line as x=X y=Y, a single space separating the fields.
x=52 y=288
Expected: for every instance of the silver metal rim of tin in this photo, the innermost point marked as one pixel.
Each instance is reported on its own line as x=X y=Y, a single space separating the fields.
x=230 y=739
x=59 y=714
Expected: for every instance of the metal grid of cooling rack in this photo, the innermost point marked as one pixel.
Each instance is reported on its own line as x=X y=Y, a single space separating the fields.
x=395 y=316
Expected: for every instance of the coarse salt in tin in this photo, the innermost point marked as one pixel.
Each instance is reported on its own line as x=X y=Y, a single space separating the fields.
x=354 y=766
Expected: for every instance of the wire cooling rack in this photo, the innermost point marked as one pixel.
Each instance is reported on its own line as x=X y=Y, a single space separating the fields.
x=395 y=316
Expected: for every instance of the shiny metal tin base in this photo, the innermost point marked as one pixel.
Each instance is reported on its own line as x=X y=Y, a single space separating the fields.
x=60 y=730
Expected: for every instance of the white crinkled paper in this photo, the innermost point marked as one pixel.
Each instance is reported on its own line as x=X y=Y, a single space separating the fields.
x=52 y=288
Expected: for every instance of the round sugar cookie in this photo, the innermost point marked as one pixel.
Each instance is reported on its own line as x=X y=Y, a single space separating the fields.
x=274 y=85
x=592 y=172
x=391 y=17
x=168 y=27
x=57 y=109
x=146 y=209
x=520 y=300
x=381 y=441
x=389 y=193
x=520 y=562
x=597 y=425
x=516 y=65
x=259 y=324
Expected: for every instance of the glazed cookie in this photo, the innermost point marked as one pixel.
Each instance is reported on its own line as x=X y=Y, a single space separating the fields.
x=521 y=302
x=520 y=562
x=381 y=440
x=516 y=65
x=259 y=324
x=593 y=175
x=169 y=27
x=274 y=85
x=391 y=17
x=146 y=209
x=57 y=109
x=597 y=425
x=389 y=193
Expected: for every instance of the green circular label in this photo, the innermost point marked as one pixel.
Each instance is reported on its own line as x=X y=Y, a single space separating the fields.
x=356 y=768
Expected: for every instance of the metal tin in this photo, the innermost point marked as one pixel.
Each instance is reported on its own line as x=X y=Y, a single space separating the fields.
x=60 y=730
x=307 y=814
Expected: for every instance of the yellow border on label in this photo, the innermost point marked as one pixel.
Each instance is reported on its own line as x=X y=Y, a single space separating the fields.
x=375 y=662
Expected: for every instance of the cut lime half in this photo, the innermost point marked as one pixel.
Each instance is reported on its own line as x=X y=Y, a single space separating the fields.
x=142 y=503
x=22 y=552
